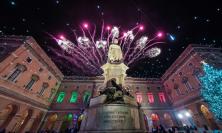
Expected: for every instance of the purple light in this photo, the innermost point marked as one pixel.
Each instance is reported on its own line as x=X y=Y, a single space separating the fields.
x=159 y=34
x=124 y=34
x=62 y=37
x=141 y=27
x=108 y=27
x=85 y=25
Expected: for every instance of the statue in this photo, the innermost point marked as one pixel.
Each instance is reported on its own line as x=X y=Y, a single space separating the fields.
x=115 y=68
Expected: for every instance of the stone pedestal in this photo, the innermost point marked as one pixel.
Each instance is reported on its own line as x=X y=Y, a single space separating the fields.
x=110 y=118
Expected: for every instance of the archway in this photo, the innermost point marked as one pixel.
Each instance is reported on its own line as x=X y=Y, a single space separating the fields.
x=208 y=116
x=36 y=122
x=168 y=120
x=67 y=122
x=155 y=119
x=22 y=121
x=7 y=114
x=51 y=121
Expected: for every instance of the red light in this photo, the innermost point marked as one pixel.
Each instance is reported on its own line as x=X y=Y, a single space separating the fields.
x=139 y=97
x=150 y=97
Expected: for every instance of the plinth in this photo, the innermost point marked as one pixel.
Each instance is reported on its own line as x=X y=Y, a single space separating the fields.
x=113 y=118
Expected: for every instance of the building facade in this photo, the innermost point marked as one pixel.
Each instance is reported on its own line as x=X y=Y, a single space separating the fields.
x=29 y=81
x=183 y=86
x=35 y=95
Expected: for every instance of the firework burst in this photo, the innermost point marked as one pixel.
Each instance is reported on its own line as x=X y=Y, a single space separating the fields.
x=88 y=53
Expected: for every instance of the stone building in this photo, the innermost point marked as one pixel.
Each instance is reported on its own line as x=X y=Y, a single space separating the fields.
x=29 y=81
x=172 y=100
x=183 y=86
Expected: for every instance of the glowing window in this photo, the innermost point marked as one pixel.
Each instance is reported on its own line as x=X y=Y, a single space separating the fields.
x=150 y=97
x=69 y=117
x=74 y=97
x=162 y=97
x=60 y=97
x=154 y=117
x=86 y=97
x=139 y=97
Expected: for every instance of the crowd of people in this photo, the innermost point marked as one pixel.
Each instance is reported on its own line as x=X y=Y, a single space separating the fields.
x=183 y=129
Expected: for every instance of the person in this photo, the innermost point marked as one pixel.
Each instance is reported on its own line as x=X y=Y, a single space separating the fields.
x=162 y=129
x=170 y=130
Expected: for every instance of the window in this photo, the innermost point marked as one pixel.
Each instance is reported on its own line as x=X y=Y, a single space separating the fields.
x=34 y=78
x=186 y=83
x=14 y=75
x=60 y=97
x=74 y=97
x=30 y=84
x=177 y=89
x=18 y=70
x=196 y=74
x=44 y=86
x=188 y=86
x=28 y=59
x=139 y=97
x=53 y=90
x=162 y=97
x=86 y=97
x=150 y=97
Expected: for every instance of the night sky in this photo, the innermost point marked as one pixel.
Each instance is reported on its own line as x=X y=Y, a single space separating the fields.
x=188 y=21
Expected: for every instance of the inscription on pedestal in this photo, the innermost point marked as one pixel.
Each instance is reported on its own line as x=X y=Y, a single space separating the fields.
x=116 y=117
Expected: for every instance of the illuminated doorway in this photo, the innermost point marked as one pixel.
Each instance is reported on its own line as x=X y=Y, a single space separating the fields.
x=209 y=117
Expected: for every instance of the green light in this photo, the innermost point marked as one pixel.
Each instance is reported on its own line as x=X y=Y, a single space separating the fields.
x=60 y=97
x=211 y=90
x=86 y=97
x=69 y=118
x=74 y=97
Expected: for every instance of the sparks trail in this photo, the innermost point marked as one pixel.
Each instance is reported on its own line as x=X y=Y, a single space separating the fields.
x=89 y=52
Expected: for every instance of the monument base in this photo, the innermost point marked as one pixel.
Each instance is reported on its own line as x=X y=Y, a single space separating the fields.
x=113 y=118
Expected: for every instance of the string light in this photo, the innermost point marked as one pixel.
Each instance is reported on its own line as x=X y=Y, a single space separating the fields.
x=211 y=88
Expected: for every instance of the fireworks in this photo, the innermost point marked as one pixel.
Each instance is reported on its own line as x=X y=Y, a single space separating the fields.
x=153 y=52
x=88 y=53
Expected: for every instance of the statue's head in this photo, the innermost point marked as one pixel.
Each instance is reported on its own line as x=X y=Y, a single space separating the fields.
x=115 y=55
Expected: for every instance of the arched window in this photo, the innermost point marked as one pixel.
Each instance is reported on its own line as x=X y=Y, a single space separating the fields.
x=155 y=119
x=17 y=71
x=60 y=97
x=150 y=97
x=168 y=120
x=162 y=97
x=34 y=78
x=196 y=74
x=86 y=97
x=139 y=97
x=74 y=97
x=187 y=83
x=177 y=89
x=44 y=86
x=52 y=93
